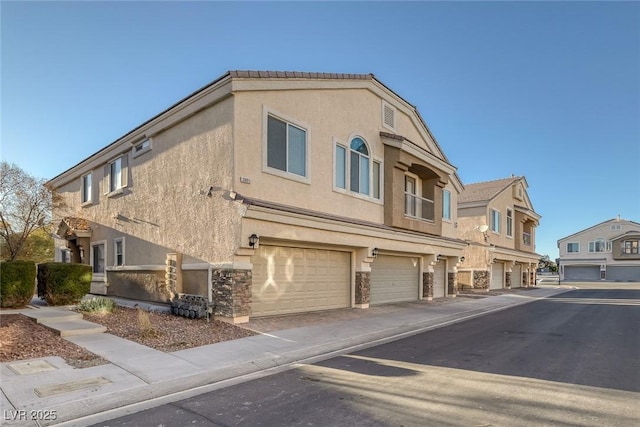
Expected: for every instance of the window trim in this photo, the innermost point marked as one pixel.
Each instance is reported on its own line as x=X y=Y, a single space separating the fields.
x=137 y=153
x=266 y=112
x=347 y=172
x=124 y=175
x=369 y=162
x=509 y=223
x=91 y=254
x=605 y=243
x=89 y=199
x=115 y=251
x=337 y=144
x=492 y=223
x=630 y=242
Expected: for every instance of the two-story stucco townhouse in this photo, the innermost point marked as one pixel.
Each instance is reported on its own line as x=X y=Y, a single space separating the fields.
x=269 y=193
x=498 y=221
x=606 y=251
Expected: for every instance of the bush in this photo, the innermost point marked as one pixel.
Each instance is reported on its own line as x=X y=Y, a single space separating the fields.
x=17 y=283
x=101 y=305
x=60 y=283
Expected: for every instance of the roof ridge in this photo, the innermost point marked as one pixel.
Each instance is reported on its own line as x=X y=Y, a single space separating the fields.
x=279 y=74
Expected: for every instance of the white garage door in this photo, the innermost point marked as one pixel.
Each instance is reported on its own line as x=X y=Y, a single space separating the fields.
x=497 y=276
x=440 y=279
x=294 y=280
x=516 y=276
x=586 y=272
x=394 y=279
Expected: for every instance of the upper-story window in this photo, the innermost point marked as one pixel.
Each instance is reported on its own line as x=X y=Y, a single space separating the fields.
x=616 y=227
x=118 y=251
x=414 y=204
x=116 y=173
x=509 y=222
x=356 y=171
x=599 y=245
x=98 y=252
x=286 y=146
x=86 y=188
x=573 y=247
x=446 y=204
x=630 y=247
x=495 y=221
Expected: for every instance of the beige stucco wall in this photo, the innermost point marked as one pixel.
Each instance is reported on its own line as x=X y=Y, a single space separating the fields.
x=165 y=207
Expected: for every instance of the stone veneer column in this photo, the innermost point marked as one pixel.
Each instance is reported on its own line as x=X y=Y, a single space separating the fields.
x=427 y=285
x=363 y=289
x=481 y=280
x=452 y=284
x=507 y=280
x=231 y=290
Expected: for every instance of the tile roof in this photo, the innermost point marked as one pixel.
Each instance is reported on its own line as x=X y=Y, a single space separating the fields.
x=250 y=74
x=485 y=191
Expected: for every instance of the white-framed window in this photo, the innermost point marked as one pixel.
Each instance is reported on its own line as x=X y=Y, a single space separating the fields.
x=98 y=257
x=446 y=204
x=116 y=174
x=630 y=247
x=509 y=222
x=141 y=147
x=415 y=205
x=599 y=245
x=118 y=251
x=356 y=171
x=86 y=188
x=616 y=227
x=495 y=221
x=573 y=247
x=286 y=146
x=388 y=116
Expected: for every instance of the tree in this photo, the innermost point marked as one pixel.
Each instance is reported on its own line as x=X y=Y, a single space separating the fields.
x=25 y=206
x=545 y=262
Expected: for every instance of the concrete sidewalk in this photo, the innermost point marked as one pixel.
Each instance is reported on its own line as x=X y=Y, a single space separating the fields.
x=50 y=392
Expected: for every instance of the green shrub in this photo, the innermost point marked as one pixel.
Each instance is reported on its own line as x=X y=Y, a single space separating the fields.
x=100 y=305
x=60 y=283
x=17 y=283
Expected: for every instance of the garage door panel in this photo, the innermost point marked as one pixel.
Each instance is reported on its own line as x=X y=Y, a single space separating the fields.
x=623 y=273
x=439 y=279
x=293 y=280
x=497 y=276
x=516 y=276
x=582 y=272
x=394 y=279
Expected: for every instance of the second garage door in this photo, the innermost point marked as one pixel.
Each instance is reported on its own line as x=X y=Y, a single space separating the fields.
x=439 y=279
x=497 y=275
x=394 y=279
x=582 y=272
x=516 y=276
x=294 y=280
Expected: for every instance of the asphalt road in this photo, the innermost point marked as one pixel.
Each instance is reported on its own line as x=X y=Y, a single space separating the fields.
x=570 y=360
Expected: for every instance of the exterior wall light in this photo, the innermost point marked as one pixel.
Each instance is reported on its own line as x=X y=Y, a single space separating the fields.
x=253 y=240
x=374 y=252
x=462 y=259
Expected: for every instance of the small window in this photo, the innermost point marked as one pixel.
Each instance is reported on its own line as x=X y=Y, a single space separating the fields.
x=446 y=204
x=116 y=175
x=573 y=247
x=509 y=222
x=598 y=245
x=495 y=221
x=631 y=247
x=86 y=188
x=286 y=147
x=118 y=251
x=98 y=257
x=141 y=147
x=376 y=180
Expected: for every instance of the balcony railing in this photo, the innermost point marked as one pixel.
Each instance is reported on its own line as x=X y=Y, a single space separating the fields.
x=418 y=207
x=526 y=239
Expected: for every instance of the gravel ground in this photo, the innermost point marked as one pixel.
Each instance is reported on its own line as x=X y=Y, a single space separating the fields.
x=22 y=338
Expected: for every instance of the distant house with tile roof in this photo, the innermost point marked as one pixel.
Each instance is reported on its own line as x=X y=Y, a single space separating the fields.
x=607 y=251
x=498 y=221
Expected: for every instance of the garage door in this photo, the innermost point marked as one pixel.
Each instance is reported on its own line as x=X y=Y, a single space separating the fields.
x=584 y=272
x=516 y=276
x=439 y=279
x=394 y=279
x=623 y=273
x=497 y=276
x=294 y=280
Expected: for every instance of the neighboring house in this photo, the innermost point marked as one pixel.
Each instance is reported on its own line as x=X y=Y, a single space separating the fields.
x=269 y=193
x=607 y=251
x=498 y=221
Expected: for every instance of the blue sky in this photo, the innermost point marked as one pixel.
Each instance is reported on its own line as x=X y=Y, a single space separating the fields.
x=546 y=90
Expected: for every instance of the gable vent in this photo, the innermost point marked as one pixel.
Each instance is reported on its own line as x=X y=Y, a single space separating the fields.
x=388 y=116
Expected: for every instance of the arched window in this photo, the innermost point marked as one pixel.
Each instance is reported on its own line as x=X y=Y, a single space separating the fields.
x=359 y=166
